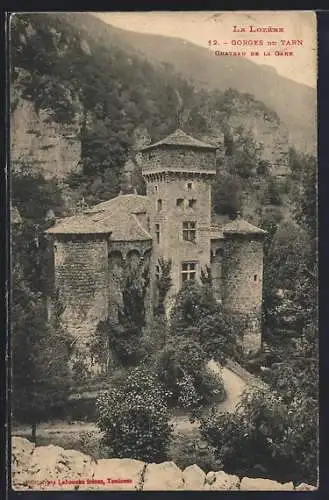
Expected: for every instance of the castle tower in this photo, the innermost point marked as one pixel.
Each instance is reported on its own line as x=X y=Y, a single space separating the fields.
x=242 y=278
x=178 y=171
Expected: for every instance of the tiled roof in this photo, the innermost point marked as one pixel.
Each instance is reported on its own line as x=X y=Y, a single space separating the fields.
x=116 y=217
x=241 y=226
x=179 y=138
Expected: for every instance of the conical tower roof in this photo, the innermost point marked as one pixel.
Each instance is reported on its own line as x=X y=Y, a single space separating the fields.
x=241 y=226
x=179 y=138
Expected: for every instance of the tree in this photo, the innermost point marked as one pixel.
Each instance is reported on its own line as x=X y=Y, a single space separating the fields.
x=275 y=427
x=199 y=331
x=286 y=256
x=40 y=348
x=134 y=417
x=30 y=248
x=120 y=338
x=41 y=378
x=181 y=368
x=197 y=315
x=226 y=194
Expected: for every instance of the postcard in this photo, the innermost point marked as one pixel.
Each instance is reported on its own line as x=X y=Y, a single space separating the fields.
x=164 y=319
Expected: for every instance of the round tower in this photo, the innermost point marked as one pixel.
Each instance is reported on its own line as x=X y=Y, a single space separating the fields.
x=243 y=278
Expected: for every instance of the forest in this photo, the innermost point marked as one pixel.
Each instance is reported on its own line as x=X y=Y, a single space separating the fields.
x=125 y=102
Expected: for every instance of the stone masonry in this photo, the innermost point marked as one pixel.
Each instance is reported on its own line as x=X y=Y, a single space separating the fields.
x=172 y=222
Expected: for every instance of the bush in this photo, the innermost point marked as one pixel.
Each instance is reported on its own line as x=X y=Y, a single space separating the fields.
x=181 y=368
x=134 y=418
x=190 y=449
x=244 y=439
x=91 y=444
x=266 y=436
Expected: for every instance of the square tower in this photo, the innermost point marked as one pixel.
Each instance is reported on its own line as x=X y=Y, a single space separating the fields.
x=178 y=171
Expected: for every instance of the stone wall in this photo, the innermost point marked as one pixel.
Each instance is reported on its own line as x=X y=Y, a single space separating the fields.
x=179 y=158
x=54 y=468
x=243 y=281
x=81 y=278
x=170 y=219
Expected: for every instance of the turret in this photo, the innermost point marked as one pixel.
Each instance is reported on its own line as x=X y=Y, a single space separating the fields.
x=243 y=278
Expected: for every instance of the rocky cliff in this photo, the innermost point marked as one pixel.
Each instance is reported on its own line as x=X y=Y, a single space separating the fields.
x=53 y=468
x=78 y=99
x=50 y=147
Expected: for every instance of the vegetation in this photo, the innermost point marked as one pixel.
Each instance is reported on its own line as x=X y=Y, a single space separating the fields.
x=273 y=432
x=118 y=340
x=114 y=98
x=135 y=418
x=41 y=375
x=40 y=348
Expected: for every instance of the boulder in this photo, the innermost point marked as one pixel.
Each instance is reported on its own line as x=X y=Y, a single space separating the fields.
x=21 y=455
x=194 y=478
x=53 y=468
x=117 y=474
x=259 y=484
x=73 y=469
x=163 y=477
x=305 y=487
x=222 y=481
x=42 y=468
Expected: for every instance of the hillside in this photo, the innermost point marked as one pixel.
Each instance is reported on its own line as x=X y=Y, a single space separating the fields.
x=83 y=101
x=294 y=103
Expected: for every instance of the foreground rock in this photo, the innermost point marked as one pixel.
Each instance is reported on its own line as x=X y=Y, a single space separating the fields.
x=221 y=481
x=118 y=474
x=163 y=477
x=21 y=456
x=53 y=468
x=194 y=478
x=305 y=487
x=258 y=484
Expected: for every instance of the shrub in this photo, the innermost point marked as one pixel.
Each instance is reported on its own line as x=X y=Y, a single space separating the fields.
x=266 y=436
x=134 y=418
x=91 y=444
x=181 y=367
x=190 y=449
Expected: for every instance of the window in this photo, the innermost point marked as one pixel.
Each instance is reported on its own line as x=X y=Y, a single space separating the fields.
x=180 y=202
x=189 y=186
x=192 y=203
x=189 y=231
x=255 y=277
x=159 y=205
x=188 y=271
x=157 y=233
x=155 y=187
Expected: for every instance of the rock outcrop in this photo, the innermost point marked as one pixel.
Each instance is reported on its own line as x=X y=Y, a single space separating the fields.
x=53 y=468
x=49 y=147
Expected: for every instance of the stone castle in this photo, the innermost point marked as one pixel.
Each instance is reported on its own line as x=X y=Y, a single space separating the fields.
x=172 y=222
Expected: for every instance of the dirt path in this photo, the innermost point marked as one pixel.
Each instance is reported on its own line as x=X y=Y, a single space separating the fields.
x=234 y=386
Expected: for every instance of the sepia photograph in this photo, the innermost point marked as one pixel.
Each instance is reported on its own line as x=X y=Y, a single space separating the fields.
x=164 y=251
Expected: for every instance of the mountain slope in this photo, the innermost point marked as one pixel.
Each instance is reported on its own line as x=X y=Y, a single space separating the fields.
x=83 y=103
x=295 y=103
